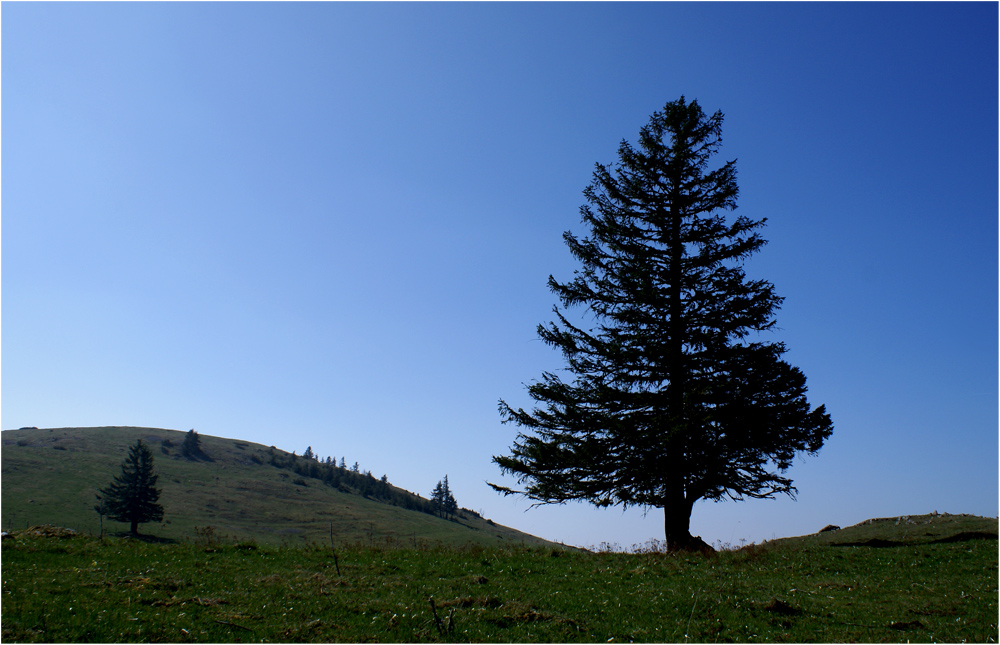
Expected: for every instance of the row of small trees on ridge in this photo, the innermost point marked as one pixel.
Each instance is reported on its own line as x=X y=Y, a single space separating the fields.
x=351 y=480
x=132 y=495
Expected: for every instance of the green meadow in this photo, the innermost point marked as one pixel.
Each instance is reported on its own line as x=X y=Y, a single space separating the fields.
x=919 y=579
x=258 y=545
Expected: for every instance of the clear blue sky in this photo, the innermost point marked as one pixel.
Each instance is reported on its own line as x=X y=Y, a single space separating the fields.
x=331 y=225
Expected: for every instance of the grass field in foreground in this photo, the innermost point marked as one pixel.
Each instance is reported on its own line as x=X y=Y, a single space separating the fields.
x=81 y=589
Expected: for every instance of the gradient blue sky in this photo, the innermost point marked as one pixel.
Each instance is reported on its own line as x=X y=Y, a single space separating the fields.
x=331 y=225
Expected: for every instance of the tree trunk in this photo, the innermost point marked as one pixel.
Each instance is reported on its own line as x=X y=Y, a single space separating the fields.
x=677 y=527
x=135 y=527
x=677 y=506
x=676 y=524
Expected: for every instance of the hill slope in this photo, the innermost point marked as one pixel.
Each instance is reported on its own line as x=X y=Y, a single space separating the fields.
x=905 y=530
x=240 y=489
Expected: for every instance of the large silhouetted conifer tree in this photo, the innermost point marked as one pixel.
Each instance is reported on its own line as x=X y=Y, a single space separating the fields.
x=676 y=394
x=132 y=496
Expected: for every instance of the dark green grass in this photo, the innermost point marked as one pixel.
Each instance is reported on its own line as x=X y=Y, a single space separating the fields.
x=81 y=589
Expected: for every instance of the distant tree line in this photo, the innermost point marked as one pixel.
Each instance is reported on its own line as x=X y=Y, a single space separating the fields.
x=352 y=480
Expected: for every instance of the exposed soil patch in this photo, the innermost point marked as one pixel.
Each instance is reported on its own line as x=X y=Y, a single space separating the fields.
x=49 y=531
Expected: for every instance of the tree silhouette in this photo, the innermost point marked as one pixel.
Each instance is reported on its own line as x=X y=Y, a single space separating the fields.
x=675 y=397
x=131 y=497
x=191 y=448
x=443 y=500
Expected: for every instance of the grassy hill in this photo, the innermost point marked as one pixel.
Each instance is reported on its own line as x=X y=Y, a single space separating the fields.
x=906 y=530
x=242 y=490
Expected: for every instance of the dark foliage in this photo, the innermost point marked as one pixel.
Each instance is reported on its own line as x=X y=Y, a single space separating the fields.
x=132 y=496
x=675 y=397
x=443 y=499
x=352 y=481
x=191 y=447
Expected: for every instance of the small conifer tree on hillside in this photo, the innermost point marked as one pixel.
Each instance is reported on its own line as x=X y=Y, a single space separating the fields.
x=443 y=500
x=191 y=448
x=131 y=497
x=437 y=499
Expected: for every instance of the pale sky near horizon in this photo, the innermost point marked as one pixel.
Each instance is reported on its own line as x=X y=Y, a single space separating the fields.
x=331 y=225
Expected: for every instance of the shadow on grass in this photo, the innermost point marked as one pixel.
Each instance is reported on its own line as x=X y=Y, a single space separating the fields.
x=149 y=539
x=959 y=537
x=966 y=537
